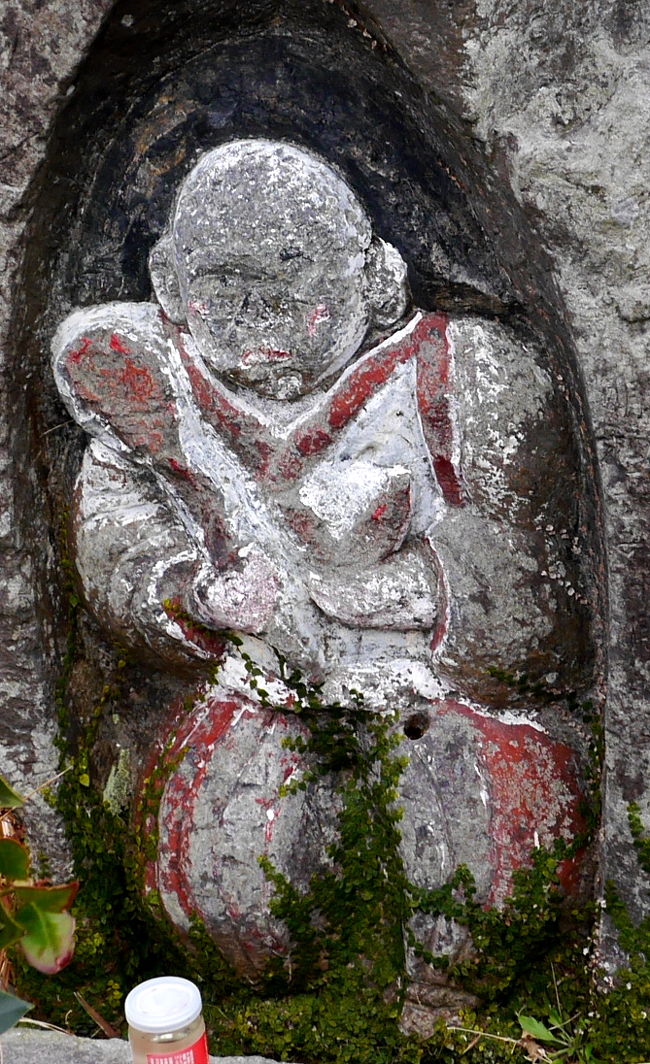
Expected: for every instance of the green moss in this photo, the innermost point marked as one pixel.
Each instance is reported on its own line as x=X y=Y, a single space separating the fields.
x=640 y=837
x=620 y=1021
x=117 y=792
x=339 y=995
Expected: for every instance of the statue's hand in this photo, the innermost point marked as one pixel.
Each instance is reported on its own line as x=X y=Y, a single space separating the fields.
x=241 y=599
x=401 y=593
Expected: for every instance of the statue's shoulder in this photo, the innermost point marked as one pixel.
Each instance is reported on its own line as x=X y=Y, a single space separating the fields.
x=114 y=369
x=109 y=329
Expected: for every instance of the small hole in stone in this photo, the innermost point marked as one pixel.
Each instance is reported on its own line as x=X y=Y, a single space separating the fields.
x=416 y=726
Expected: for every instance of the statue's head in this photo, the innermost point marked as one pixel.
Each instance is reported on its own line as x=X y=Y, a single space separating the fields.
x=270 y=261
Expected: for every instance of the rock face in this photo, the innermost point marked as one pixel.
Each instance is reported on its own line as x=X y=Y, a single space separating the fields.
x=420 y=498
x=31 y=1047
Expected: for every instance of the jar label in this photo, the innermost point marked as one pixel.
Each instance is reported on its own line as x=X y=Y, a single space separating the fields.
x=196 y=1054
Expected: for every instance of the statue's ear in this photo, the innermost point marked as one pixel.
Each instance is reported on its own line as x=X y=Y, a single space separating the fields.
x=165 y=280
x=387 y=286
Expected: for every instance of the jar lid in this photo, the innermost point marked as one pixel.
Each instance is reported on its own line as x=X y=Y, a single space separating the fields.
x=166 y=1003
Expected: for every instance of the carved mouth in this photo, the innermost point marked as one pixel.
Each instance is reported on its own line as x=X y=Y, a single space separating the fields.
x=264 y=355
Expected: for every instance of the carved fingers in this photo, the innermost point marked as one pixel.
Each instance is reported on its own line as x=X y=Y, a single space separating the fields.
x=401 y=593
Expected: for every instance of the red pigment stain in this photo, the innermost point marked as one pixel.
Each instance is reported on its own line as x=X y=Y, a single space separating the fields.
x=433 y=382
x=268 y=804
x=288 y=467
x=533 y=788
x=303 y=523
x=197 y=634
x=363 y=383
x=245 y=433
x=379 y=512
x=193 y=751
x=76 y=356
x=319 y=314
x=289 y=767
x=210 y=401
x=448 y=480
x=201 y=730
x=374 y=371
x=148 y=440
x=181 y=470
x=117 y=344
x=313 y=442
x=440 y=630
x=139 y=381
x=136 y=383
x=350 y=396
x=265 y=453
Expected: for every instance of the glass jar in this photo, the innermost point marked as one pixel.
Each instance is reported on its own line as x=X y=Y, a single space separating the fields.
x=165 y=1022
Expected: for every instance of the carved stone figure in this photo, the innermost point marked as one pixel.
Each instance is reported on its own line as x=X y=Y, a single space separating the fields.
x=281 y=448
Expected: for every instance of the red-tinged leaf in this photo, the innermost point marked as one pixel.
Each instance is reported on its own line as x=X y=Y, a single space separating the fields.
x=49 y=942
x=10 y=931
x=9 y=798
x=11 y=1010
x=14 y=860
x=47 y=899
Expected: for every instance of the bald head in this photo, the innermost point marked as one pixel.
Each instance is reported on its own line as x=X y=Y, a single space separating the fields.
x=271 y=253
x=271 y=191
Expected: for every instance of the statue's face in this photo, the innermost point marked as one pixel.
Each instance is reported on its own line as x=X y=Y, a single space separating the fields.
x=270 y=251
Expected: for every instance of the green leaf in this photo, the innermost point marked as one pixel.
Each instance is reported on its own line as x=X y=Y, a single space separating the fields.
x=48 y=899
x=49 y=942
x=536 y=1029
x=14 y=860
x=9 y=798
x=11 y=1010
x=10 y=931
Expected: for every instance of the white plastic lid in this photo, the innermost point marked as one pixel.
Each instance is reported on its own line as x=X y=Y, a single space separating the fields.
x=167 y=1003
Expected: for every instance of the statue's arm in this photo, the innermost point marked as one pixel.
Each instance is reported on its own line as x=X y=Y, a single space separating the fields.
x=141 y=518
x=510 y=546
x=143 y=572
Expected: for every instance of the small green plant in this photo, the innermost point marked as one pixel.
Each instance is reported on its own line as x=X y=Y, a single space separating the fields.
x=565 y=1038
x=33 y=914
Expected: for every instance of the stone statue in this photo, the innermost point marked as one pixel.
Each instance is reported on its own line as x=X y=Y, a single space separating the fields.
x=380 y=497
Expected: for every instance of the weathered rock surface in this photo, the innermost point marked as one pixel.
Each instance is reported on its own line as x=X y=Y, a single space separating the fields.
x=37 y=59
x=23 y=1046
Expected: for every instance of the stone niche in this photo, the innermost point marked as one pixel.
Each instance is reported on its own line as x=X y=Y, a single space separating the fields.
x=512 y=527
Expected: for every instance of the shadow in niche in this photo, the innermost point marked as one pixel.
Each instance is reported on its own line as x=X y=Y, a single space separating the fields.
x=166 y=81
